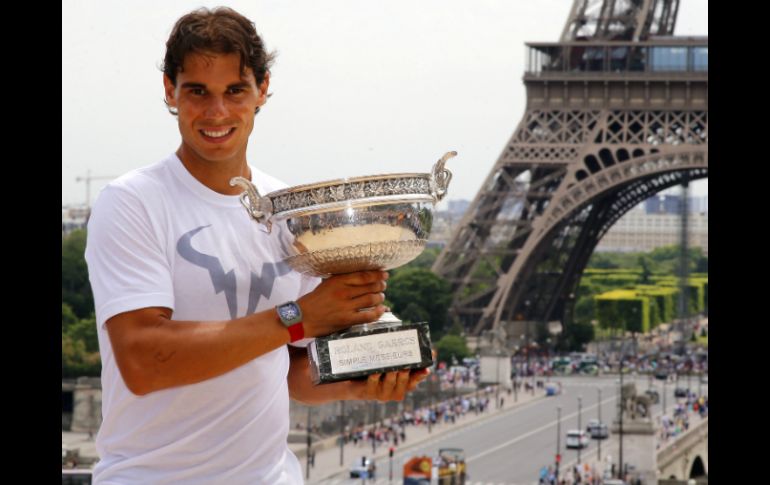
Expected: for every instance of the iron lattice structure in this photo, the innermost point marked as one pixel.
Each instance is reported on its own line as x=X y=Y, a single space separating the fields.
x=616 y=112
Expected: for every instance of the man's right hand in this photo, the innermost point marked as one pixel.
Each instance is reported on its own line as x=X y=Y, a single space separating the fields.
x=335 y=304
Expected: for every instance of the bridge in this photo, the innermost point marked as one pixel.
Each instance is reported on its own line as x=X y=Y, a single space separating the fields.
x=687 y=456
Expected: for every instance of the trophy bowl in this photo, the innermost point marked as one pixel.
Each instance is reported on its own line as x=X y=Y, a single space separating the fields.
x=376 y=222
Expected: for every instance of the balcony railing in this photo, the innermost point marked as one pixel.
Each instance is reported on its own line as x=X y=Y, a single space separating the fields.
x=662 y=56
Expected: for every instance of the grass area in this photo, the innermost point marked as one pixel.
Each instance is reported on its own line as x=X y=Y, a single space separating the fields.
x=703 y=340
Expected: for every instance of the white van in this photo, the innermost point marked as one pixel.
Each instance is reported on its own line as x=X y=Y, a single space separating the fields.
x=577 y=438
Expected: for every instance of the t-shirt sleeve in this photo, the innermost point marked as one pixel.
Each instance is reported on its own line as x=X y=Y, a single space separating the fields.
x=127 y=263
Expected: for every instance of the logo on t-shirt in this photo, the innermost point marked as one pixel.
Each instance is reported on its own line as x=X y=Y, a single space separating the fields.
x=261 y=284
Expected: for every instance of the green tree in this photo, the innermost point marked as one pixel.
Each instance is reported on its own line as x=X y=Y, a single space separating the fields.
x=644 y=262
x=452 y=346
x=456 y=329
x=424 y=289
x=84 y=330
x=68 y=317
x=602 y=261
x=77 y=361
x=414 y=313
x=585 y=309
x=576 y=336
x=75 y=287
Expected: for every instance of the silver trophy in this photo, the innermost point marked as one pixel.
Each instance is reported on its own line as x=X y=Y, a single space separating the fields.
x=377 y=222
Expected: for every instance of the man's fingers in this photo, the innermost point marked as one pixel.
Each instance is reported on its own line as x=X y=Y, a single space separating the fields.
x=367 y=316
x=401 y=385
x=415 y=378
x=388 y=385
x=368 y=300
x=372 y=386
x=376 y=287
x=361 y=278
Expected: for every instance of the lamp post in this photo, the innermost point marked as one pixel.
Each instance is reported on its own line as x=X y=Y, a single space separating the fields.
x=342 y=431
x=580 y=428
x=529 y=349
x=599 y=410
x=309 y=443
x=497 y=380
x=515 y=375
x=558 y=440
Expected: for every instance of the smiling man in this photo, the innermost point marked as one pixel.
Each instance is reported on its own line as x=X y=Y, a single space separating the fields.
x=200 y=323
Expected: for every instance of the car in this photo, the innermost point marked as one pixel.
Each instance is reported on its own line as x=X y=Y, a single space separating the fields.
x=681 y=392
x=552 y=389
x=577 y=438
x=597 y=430
x=653 y=395
x=661 y=375
x=363 y=468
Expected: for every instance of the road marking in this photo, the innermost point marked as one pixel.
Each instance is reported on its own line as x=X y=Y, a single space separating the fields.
x=535 y=431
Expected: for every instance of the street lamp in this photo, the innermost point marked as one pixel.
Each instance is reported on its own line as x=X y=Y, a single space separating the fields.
x=558 y=440
x=529 y=349
x=515 y=375
x=342 y=431
x=309 y=443
x=497 y=393
x=580 y=428
x=599 y=409
x=620 y=420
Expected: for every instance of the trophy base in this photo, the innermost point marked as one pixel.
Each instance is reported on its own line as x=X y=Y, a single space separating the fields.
x=383 y=346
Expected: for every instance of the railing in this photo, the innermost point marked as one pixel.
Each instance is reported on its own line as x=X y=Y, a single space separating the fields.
x=665 y=55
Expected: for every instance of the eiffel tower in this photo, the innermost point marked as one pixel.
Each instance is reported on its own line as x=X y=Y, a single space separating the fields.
x=617 y=111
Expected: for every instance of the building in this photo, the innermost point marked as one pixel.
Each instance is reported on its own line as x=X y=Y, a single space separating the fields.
x=671 y=204
x=641 y=231
x=72 y=218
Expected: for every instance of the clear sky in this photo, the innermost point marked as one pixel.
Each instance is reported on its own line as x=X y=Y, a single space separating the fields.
x=360 y=87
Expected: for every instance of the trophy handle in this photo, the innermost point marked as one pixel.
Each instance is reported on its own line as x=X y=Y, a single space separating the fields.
x=440 y=177
x=259 y=208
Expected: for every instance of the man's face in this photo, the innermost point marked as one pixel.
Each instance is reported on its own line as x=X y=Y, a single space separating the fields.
x=216 y=105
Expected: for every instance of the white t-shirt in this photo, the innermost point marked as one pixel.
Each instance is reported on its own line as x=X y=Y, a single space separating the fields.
x=157 y=237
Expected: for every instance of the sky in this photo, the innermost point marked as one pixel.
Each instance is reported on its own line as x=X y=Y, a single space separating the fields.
x=359 y=87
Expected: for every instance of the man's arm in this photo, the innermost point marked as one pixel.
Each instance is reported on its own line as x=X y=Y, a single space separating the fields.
x=154 y=352
x=392 y=386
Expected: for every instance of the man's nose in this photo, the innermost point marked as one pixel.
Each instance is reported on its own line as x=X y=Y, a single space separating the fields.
x=216 y=107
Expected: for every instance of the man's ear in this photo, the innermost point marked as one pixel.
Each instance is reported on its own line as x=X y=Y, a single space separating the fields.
x=263 y=89
x=170 y=91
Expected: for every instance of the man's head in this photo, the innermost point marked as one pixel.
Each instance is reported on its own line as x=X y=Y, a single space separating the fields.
x=221 y=31
x=216 y=76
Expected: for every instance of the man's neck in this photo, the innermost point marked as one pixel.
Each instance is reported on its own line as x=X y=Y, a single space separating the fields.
x=215 y=175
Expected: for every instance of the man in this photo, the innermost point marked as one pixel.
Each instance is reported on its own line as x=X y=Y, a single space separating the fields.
x=197 y=374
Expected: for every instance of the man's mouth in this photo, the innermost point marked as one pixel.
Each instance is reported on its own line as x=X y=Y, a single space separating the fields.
x=217 y=134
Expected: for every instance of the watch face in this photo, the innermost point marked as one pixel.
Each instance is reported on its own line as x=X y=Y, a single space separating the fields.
x=288 y=311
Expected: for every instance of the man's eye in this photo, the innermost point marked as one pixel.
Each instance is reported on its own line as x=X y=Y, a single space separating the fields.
x=236 y=90
x=197 y=91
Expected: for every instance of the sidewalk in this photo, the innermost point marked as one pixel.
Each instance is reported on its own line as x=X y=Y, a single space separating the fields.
x=327 y=458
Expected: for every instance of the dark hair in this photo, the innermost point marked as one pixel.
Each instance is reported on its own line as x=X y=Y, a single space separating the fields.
x=222 y=31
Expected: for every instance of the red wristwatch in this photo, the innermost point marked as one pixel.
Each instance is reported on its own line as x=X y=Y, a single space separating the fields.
x=291 y=316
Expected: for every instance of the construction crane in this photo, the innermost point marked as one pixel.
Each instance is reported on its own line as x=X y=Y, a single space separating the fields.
x=87 y=179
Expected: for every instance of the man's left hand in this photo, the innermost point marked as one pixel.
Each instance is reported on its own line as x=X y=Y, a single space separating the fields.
x=391 y=386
